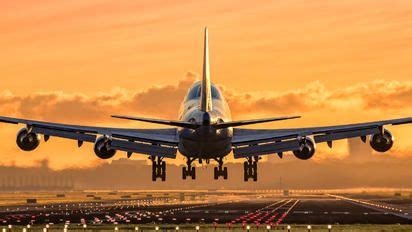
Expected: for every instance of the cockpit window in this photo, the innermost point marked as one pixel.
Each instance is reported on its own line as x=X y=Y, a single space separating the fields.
x=215 y=93
x=194 y=93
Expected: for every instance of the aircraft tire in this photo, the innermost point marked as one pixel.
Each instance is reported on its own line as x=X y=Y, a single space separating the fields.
x=225 y=173
x=184 y=173
x=193 y=173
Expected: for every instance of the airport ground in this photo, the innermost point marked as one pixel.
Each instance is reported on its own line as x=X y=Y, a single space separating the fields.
x=210 y=210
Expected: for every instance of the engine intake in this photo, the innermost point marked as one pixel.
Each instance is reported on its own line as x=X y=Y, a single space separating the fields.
x=307 y=149
x=382 y=142
x=102 y=148
x=27 y=141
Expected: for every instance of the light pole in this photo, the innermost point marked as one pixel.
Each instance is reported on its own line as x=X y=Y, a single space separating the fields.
x=268 y=228
x=289 y=228
x=309 y=228
x=248 y=228
x=329 y=228
x=197 y=228
x=177 y=228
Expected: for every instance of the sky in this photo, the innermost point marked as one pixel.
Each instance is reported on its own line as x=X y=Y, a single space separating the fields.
x=333 y=62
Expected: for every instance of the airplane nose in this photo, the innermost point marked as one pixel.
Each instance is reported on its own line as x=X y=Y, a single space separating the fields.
x=206 y=119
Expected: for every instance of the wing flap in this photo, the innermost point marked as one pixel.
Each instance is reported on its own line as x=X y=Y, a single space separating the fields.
x=141 y=148
x=266 y=149
x=65 y=134
x=345 y=135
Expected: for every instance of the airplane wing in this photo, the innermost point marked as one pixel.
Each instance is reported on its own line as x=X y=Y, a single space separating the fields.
x=159 y=142
x=255 y=142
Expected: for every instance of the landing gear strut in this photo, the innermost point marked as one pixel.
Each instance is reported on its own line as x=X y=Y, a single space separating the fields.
x=220 y=171
x=250 y=168
x=158 y=168
x=189 y=170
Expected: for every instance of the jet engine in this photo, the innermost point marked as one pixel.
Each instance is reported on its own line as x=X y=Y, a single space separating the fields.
x=27 y=141
x=307 y=149
x=102 y=148
x=382 y=142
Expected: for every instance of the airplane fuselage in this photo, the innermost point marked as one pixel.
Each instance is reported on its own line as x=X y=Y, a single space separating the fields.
x=205 y=142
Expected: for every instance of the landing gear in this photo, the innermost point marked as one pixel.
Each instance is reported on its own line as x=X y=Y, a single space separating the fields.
x=189 y=170
x=250 y=168
x=220 y=171
x=158 y=168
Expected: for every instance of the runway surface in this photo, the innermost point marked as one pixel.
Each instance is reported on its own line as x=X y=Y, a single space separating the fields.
x=211 y=208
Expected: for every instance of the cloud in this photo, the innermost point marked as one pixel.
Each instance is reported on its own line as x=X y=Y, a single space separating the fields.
x=163 y=101
x=160 y=101
x=377 y=95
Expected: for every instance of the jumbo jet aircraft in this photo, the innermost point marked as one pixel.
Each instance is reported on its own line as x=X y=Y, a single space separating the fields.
x=205 y=132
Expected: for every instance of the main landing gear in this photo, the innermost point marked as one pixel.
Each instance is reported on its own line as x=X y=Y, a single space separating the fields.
x=189 y=170
x=250 y=168
x=158 y=168
x=220 y=171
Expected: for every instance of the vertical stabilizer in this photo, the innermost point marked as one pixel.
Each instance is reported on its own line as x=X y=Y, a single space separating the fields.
x=206 y=91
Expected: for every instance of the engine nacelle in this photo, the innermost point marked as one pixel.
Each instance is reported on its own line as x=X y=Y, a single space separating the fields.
x=27 y=141
x=307 y=149
x=102 y=148
x=382 y=142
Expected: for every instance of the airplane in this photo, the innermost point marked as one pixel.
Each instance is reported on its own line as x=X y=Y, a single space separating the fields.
x=205 y=132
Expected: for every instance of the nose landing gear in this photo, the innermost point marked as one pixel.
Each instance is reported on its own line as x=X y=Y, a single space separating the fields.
x=158 y=168
x=250 y=169
x=220 y=171
x=189 y=170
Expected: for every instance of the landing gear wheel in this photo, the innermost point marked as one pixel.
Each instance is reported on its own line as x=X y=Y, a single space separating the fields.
x=154 y=168
x=158 y=168
x=250 y=169
x=220 y=170
x=225 y=173
x=163 y=174
x=184 y=171
x=245 y=171
x=193 y=173
x=189 y=170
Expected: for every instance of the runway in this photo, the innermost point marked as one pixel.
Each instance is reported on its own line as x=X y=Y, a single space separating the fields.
x=208 y=208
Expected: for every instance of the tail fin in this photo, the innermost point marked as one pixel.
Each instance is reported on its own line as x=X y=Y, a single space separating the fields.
x=206 y=91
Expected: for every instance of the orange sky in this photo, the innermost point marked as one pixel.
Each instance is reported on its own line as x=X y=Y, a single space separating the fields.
x=333 y=61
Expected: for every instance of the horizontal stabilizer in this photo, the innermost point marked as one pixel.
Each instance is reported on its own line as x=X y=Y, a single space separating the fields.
x=248 y=122
x=160 y=121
